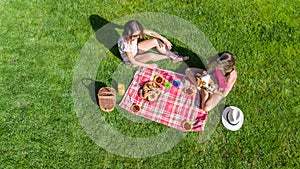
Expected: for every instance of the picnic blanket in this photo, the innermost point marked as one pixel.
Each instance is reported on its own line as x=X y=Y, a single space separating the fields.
x=175 y=107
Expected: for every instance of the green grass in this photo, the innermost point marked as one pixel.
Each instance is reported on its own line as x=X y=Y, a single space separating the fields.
x=41 y=41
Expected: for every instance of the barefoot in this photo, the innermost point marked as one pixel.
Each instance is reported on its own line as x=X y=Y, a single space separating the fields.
x=180 y=59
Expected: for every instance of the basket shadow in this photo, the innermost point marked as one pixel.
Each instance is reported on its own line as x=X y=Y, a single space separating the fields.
x=93 y=87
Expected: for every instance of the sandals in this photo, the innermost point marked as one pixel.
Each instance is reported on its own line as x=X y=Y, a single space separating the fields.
x=107 y=99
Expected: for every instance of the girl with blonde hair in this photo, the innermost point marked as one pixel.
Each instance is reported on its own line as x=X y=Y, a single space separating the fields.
x=223 y=75
x=135 y=53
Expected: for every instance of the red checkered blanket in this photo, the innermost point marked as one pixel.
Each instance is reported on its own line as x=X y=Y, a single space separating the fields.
x=175 y=107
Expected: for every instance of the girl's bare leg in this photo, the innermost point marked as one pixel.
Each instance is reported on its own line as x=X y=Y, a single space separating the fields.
x=204 y=97
x=147 y=57
x=146 y=45
x=191 y=74
x=211 y=102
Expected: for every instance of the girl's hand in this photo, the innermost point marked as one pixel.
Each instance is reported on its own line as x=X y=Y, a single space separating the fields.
x=165 y=41
x=168 y=44
x=160 y=44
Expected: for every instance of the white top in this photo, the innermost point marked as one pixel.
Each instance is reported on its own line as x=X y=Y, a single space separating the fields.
x=205 y=78
x=127 y=46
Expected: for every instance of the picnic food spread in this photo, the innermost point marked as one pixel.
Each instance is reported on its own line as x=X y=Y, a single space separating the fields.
x=202 y=81
x=176 y=83
x=150 y=91
x=158 y=79
x=167 y=84
x=177 y=106
x=136 y=108
x=121 y=89
x=189 y=91
x=187 y=125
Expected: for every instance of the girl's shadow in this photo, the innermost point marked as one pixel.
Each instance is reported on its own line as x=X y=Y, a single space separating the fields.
x=106 y=33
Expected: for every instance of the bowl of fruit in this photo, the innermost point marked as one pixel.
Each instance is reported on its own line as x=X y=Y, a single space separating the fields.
x=136 y=108
x=189 y=91
x=158 y=79
x=187 y=125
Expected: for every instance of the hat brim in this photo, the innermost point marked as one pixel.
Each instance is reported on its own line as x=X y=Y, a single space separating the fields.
x=232 y=127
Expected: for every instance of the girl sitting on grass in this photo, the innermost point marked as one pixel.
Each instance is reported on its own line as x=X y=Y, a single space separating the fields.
x=135 y=53
x=222 y=74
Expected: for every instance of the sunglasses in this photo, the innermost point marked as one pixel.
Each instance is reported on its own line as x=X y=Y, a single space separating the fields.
x=135 y=36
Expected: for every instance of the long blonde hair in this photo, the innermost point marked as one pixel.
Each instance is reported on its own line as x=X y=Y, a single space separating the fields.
x=131 y=27
x=226 y=60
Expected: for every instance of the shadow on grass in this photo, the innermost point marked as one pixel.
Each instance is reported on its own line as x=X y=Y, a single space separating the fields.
x=93 y=87
x=194 y=59
x=108 y=36
x=106 y=33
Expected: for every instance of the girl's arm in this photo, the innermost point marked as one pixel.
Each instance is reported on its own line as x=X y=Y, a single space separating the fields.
x=134 y=62
x=158 y=36
x=224 y=93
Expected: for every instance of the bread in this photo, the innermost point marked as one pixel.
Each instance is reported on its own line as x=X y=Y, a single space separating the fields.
x=150 y=91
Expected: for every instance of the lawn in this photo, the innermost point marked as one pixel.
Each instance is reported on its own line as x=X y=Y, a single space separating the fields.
x=43 y=45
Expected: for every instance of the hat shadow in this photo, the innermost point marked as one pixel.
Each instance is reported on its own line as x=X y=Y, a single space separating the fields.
x=93 y=87
x=106 y=33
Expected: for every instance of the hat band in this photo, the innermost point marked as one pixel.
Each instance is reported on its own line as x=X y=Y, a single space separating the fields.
x=230 y=122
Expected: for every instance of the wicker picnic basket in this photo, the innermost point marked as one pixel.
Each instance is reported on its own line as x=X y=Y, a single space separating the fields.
x=107 y=99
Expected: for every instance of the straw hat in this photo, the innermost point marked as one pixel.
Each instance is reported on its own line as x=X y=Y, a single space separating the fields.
x=232 y=118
